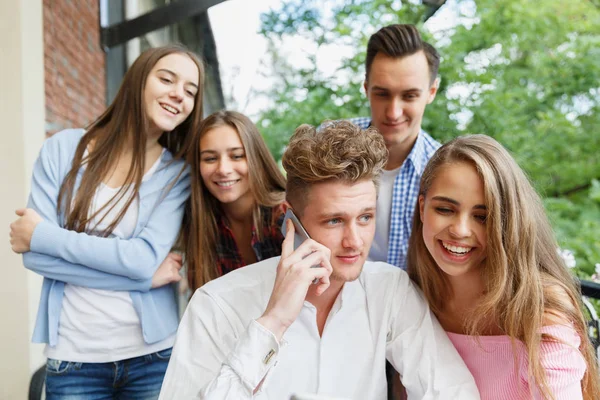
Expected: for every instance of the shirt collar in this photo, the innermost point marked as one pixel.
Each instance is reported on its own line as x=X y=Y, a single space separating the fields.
x=417 y=153
x=225 y=226
x=350 y=293
x=348 y=297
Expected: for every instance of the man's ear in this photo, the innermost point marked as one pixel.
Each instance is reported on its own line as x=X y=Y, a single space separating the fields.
x=421 y=206
x=286 y=205
x=366 y=86
x=433 y=90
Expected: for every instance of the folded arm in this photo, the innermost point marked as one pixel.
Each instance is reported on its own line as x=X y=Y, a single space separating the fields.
x=136 y=258
x=80 y=275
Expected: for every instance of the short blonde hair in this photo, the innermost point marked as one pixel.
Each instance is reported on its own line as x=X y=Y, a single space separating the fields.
x=339 y=151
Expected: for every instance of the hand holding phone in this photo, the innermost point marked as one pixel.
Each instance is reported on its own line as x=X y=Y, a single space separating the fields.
x=295 y=273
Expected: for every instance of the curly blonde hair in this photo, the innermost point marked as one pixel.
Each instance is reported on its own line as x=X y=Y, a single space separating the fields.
x=338 y=151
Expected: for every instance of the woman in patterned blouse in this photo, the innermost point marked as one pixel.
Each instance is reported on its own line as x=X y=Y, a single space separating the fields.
x=236 y=208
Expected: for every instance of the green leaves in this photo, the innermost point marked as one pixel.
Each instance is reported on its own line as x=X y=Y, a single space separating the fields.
x=595 y=191
x=577 y=226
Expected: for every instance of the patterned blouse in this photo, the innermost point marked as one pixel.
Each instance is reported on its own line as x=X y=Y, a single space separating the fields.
x=228 y=254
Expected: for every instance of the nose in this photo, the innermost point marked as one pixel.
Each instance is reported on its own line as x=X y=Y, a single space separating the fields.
x=460 y=228
x=394 y=110
x=177 y=92
x=352 y=238
x=224 y=166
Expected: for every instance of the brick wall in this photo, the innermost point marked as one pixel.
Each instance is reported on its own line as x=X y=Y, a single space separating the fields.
x=74 y=64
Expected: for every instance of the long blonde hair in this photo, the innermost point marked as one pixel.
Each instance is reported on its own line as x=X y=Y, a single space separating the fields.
x=267 y=186
x=523 y=275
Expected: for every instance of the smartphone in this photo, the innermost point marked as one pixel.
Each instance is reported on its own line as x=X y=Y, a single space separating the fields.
x=300 y=234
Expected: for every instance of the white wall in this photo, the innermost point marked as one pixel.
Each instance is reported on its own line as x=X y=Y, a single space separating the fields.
x=22 y=133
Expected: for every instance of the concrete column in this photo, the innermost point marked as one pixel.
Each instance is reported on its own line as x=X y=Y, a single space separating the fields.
x=22 y=116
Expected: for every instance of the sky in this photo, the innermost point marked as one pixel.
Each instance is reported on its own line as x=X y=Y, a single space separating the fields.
x=241 y=50
x=235 y=25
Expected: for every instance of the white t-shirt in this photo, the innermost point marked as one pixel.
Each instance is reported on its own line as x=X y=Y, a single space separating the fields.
x=222 y=352
x=379 y=248
x=102 y=325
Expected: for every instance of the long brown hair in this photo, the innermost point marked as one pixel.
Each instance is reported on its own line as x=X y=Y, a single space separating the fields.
x=124 y=123
x=523 y=275
x=267 y=186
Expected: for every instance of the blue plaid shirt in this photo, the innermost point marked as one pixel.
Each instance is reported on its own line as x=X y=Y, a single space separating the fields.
x=405 y=193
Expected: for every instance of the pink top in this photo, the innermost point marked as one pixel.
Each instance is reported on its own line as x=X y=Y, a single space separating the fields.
x=492 y=364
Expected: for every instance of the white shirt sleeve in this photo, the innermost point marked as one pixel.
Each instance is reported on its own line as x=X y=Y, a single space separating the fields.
x=212 y=359
x=421 y=352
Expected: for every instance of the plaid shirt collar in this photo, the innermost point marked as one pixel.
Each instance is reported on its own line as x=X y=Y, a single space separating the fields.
x=229 y=257
x=418 y=155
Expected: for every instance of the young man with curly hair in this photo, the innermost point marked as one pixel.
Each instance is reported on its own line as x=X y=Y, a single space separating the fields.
x=267 y=331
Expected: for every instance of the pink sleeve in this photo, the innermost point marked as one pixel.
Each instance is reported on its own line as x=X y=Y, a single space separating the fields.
x=563 y=363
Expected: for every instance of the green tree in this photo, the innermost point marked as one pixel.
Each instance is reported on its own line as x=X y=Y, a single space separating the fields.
x=525 y=73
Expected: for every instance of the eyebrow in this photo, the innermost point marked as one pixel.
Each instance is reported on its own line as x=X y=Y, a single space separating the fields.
x=381 y=88
x=343 y=214
x=215 y=152
x=452 y=201
x=168 y=71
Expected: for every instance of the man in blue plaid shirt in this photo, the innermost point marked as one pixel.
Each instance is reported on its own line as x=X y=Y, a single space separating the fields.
x=401 y=80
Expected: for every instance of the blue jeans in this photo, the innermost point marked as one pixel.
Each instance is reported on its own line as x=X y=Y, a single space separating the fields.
x=138 y=378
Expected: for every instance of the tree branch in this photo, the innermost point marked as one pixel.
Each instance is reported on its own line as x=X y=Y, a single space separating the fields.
x=573 y=190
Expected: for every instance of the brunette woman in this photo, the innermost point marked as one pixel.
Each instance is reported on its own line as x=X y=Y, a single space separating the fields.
x=236 y=208
x=105 y=208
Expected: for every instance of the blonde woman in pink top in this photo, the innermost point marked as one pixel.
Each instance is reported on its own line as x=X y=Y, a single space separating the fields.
x=485 y=256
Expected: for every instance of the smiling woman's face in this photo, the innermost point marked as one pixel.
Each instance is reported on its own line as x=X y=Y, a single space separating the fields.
x=170 y=92
x=454 y=215
x=223 y=165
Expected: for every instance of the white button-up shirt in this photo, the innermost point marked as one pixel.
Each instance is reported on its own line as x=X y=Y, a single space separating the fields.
x=221 y=352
